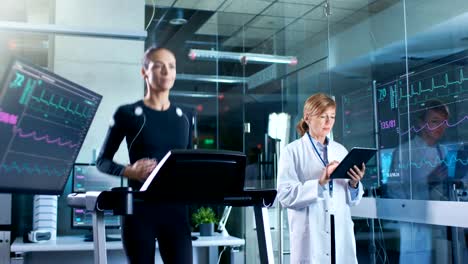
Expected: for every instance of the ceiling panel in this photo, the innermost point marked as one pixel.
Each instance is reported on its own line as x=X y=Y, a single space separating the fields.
x=350 y=4
x=305 y=2
x=316 y=14
x=209 y=5
x=357 y=17
x=307 y=25
x=215 y=29
x=337 y=14
x=292 y=38
x=379 y=5
x=287 y=10
x=256 y=33
x=249 y=37
x=270 y=22
x=223 y=18
x=241 y=42
x=253 y=7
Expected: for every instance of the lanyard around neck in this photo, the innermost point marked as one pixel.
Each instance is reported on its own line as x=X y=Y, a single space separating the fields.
x=330 y=183
x=316 y=150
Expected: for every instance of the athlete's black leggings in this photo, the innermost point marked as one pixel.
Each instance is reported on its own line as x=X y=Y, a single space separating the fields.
x=168 y=224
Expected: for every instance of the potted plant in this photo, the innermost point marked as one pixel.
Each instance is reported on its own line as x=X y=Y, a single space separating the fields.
x=205 y=218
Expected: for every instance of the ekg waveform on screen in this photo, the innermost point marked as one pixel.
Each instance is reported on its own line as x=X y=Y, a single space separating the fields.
x=44 y=138
x=452 y=161
x=427 y=126
x=44 y=119
x=450 y=84
x=31 y=169
x=400 y=100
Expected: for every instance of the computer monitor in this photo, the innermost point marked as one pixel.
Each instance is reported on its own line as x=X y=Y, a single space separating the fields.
x=86 y=177
x=44 y=119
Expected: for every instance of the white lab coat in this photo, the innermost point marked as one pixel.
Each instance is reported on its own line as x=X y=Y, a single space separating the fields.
x=309 y=205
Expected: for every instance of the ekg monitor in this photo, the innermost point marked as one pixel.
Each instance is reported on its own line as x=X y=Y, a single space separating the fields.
x=44 y=119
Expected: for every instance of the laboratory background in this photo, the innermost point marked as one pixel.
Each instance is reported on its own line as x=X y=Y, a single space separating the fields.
x=244 y=71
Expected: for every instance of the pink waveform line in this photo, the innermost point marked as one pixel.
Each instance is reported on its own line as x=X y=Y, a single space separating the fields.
x=45 y=138
x=416 y=130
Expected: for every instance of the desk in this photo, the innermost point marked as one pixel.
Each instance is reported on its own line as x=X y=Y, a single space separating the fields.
x=73 y=249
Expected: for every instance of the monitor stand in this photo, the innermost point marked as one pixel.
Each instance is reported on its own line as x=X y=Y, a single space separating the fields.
x=109 y=237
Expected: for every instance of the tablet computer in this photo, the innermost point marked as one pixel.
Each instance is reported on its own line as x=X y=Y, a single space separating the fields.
x=356 y=156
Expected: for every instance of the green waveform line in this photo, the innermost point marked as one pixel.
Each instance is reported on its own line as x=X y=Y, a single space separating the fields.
x=421 y=90
x=34 y=169
x=47 y=114
x=86 y=112
x=437 y=162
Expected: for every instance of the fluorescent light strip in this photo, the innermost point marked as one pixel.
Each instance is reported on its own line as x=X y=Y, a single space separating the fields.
x=244 y=58
x=210 y=78
x=193 y=94
x=74 y=31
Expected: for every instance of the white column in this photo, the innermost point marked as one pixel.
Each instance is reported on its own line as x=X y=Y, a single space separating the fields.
x=110 y=67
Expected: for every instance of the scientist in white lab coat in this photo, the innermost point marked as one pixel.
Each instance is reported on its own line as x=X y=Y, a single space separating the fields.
x=314 y=202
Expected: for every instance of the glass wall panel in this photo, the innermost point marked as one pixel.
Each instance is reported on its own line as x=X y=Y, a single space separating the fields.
x=428 y=105
x=281 y=29
x=431 y=102
x=401 y=90
x=366 y=51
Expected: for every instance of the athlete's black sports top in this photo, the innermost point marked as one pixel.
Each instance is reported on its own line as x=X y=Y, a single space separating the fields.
x=148 y=133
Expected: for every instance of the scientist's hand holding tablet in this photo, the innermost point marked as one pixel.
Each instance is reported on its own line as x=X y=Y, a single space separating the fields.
x=349 y=167
x=355 y=174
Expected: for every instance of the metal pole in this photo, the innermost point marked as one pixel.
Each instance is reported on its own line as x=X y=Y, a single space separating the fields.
x=457 y=249
x=372 y=247
x=265 y=246
x=280 y=234
x=99 y=237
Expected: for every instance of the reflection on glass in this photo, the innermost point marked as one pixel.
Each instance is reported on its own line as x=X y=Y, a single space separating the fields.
x=400 y=242
x=278 y=128
x=419 y=167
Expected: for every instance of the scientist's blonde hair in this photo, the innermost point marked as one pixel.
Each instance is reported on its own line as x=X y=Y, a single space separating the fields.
x=314 y=105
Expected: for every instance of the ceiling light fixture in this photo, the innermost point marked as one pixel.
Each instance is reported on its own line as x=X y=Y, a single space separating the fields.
x=244 y=58
x=210 y=78
x=179 y=19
